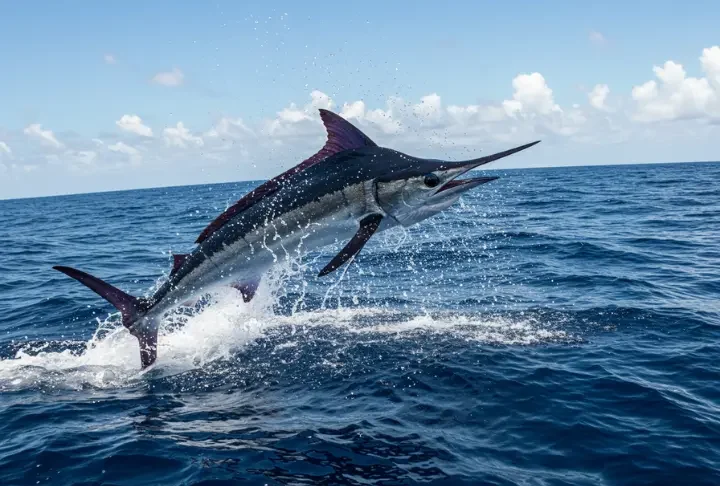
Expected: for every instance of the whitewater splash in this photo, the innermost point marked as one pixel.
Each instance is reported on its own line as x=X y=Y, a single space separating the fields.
x=221 y=328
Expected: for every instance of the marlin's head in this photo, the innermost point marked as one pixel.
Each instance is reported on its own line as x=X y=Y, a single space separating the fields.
x=420 y=188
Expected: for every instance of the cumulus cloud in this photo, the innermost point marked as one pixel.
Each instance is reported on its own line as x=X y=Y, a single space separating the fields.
x=109 y=59
x=710 y=61
x=46 y=137
x=294 y=120
x=532 y=96
x=383 y=120
x=230 y=128
x=430 y=106
x=598 y=97
x=292 y=114
x=321 y=100
x=531 y=112
x=675 y=95
x=134 y=124
x=124 y=148
x=356 y=110
x=469 y=114
x=297 y=129
x=426 y=125
x=132 y=154
x=170 y=78
x=180 y=136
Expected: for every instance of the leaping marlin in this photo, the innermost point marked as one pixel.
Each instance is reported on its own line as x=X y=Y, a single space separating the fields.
x=347 y=191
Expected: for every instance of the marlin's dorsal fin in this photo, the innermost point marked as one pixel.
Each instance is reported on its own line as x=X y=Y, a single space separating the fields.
x=341 y=136
x=178 y=261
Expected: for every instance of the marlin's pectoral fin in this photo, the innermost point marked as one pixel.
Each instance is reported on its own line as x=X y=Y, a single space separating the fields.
x=368 y=225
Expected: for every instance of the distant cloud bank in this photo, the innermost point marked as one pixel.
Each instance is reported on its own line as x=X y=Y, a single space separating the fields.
x=530 y=111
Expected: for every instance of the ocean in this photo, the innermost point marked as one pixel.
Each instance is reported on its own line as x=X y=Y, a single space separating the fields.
x=555 y=327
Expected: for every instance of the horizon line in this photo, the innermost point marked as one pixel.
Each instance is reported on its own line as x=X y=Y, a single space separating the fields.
x=111 y=191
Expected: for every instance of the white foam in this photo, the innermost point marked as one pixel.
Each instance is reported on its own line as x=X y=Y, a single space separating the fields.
x=495 y=330
x=222 y=329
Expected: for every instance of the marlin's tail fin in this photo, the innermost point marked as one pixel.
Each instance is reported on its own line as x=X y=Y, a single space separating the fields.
x=131 y=308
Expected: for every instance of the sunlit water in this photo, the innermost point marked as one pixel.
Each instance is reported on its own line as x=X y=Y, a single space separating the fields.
x=557 y=326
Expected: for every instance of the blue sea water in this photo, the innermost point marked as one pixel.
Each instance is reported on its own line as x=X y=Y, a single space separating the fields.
x=557 y=327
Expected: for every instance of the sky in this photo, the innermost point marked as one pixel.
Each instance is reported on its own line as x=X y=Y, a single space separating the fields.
x=98 y=96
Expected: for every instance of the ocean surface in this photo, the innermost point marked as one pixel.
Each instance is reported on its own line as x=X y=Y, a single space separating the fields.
x=556 y=327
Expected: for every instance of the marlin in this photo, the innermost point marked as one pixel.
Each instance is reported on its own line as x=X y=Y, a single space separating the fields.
x=348 y=191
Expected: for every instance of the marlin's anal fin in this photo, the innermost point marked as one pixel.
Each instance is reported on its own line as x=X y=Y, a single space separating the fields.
x=247 y=287
x=178 y=261
x=368 y=225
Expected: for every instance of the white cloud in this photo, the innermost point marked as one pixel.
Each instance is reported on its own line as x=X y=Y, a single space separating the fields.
x=292 y=114
x=710 y=61
x=232 y=128
x=180 y=136
x=430 y=106
x=532 y=96
x=5 y=149
x=676 y=96
x=597 y=38
x=426 y=126
x=478 y=113
x=47 y=137
x=598 y=97
x=171 y=78
x=134 y=156
x=385 y=120
x=124 y=148
x=411 y=126
x=645 y=92
x=380 y=119
x=672 y=73
x=356 y=109
x=320 y=100
x=109 y=59
x=294 y=120
x=134 y=124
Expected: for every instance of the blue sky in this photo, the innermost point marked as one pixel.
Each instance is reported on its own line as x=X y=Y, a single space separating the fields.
x=93 y=92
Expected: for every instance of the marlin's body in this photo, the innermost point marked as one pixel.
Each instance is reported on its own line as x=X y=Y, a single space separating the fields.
x=346 y=192
x=284 y=223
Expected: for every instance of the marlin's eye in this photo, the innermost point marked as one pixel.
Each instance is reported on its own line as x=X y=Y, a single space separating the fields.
x=431 y=180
